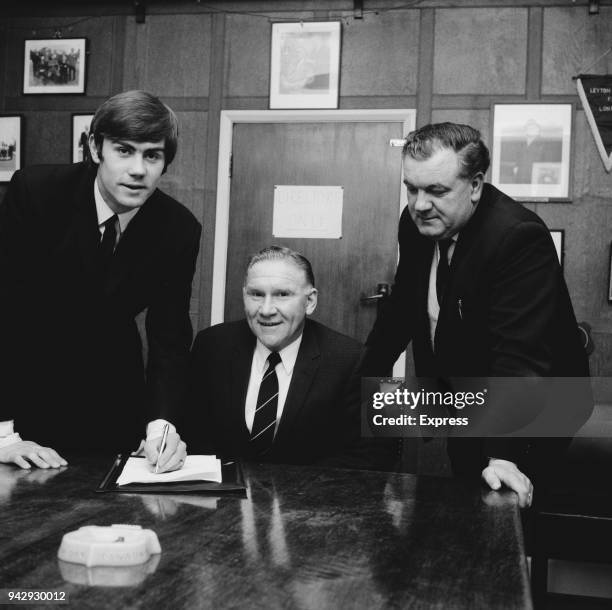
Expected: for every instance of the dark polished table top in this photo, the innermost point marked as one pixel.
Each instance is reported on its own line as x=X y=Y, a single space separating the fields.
x=303 y=538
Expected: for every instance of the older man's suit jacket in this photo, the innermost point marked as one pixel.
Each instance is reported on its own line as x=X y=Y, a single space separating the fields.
x=70 y=352
x=506 y=312
x=321 y=416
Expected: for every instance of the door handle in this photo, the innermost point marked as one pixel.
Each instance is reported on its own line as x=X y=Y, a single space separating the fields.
x=382 y=292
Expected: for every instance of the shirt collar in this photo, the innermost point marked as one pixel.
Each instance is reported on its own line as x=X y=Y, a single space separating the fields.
x=104 y=212
x=288 y=355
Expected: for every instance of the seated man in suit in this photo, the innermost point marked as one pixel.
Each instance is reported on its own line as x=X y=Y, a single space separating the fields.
x=85 y=248
x=277 y=386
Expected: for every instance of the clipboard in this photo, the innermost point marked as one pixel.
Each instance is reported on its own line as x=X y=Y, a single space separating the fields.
x=231 y=474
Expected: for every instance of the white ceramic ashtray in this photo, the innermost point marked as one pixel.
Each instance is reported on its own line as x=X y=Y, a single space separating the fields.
x=117 y=545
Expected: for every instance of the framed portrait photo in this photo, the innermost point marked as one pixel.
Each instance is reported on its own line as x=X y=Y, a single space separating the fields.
x=305 y=65
x=55 y=65
x=10 y=146
x=558 y=237
x=532 y=151
x=80 y=136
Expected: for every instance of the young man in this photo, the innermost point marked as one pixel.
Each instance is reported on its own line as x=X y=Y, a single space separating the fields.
x=84 y=249
x=277 y=386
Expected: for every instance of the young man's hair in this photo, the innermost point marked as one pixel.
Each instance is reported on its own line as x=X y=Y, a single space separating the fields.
x=464 y=140
x=279 y=253
x=138 y=116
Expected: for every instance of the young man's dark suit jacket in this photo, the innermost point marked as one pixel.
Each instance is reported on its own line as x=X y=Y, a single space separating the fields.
x=321 y=416
x=71 y=351
x=506 y=312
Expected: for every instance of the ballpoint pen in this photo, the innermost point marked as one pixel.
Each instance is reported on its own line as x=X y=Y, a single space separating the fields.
x=162 y=446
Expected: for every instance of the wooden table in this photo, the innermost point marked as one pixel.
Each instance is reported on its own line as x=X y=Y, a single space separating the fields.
x=303 y=538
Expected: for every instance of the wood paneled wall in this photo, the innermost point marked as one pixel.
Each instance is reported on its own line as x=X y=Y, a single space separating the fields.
x=449 y=59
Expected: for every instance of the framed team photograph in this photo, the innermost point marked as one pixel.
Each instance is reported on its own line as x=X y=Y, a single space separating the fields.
x=10 y=146
x=532 y=145
x=55 y=65
x=305 y=65
x=558 y=237
x=80 y=135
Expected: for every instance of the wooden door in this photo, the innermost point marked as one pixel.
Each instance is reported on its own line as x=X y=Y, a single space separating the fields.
x=356 y=156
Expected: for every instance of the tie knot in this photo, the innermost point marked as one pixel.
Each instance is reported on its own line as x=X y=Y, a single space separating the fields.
x=273 y=359
x=110 y=222
x=444 y=245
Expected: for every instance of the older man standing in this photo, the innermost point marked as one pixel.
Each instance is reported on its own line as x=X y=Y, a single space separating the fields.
x=479 y=292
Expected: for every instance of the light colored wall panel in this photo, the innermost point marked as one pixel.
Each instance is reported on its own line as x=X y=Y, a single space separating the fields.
x=169 y=55
x=380 y=54
x=478 y=119
x=47 y=138
x=572 y=41
x=480 y=50
x=247 y=62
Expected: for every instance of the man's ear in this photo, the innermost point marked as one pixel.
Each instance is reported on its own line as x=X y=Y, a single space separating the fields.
x=476 y=185
x=311 y=303
x=93 y=150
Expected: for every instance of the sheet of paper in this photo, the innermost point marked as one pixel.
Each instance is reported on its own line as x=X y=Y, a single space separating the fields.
x=196 y=468
x=307 y=211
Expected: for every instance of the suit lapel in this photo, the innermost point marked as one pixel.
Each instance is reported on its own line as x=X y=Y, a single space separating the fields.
x=84 y=229
x=304 y=371
x=136 y=245
x=240 y=372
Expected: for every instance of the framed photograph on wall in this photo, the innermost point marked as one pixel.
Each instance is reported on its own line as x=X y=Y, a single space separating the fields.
x=55 y=65
x=10 y=146
x=558 y=237
x=305 y=65
x=80 y=135
x=531 y=157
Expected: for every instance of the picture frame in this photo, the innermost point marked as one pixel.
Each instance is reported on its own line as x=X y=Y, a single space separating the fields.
x=54 y=66
x=531 y=152
x=558 y=237
x=10 y=145
x=80 y=136
x=305 y=65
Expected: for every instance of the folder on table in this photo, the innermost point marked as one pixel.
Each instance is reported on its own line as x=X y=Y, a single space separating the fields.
x=186 y=480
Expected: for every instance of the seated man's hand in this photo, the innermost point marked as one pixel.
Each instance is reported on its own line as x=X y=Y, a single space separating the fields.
x=173 y=456
x=503 y=472
x=21 y=451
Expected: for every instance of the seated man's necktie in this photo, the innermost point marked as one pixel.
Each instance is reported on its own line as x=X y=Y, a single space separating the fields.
x=264 y=422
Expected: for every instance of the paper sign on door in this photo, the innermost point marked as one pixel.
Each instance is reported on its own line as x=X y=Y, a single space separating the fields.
x=307 y=211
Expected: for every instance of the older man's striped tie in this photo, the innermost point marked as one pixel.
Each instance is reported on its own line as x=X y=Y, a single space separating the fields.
x=264 y=423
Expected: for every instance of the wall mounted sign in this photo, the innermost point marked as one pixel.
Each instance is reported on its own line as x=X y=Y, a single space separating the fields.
x=596 y=96
x=305 y=65
x=308 y=211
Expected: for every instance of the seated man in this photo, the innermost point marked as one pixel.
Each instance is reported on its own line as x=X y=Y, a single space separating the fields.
x=279 y=387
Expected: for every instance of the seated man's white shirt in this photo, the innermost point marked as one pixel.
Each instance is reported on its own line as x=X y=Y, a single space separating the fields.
x=284 y=371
